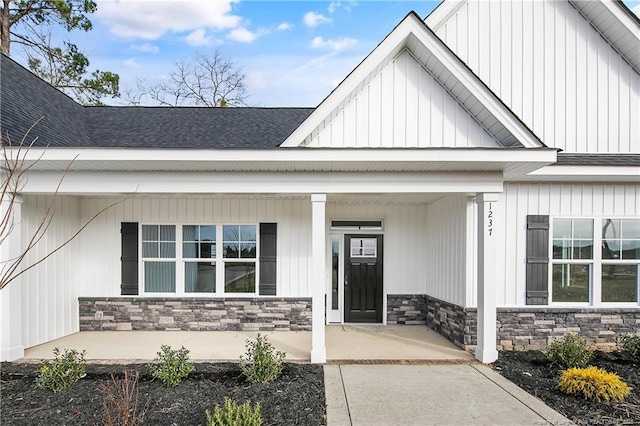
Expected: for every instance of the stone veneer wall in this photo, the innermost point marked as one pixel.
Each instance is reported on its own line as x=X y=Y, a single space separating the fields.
x=195 y=314
x=533 y=327
x=406 y=309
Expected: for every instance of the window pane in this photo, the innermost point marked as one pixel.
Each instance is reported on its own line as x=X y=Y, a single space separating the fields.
x=190 y=250
x=582 y=249
x=335 y=251
x=239 y=277
x=160 y=277
x=230 y=250
x=149 y=232
x=610 y=228
x=150 y=250
x=188 y=233
x=167 y=249
x=571 y=283
x=248 y=250
x=562 y=228
x=207 y=233
x=247 y=233
x=630 y=228
x=207 y=250
x=562 y=249
x=583 y=228
x=199 y=277
x=631 y=249
x=610 y=249
x=231 y=233
x=619 y=283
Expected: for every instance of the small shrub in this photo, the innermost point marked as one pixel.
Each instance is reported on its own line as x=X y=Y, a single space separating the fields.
x=121 y=401
x=631 y=345
x=63 y=371
x=572 y=352
x=593 y=383
x=262 y=363
x=171 y=366
x=233 y=414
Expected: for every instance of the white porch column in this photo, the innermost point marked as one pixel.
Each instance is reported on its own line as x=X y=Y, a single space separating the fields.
x=487 y=276
x=318 y=238
x=11 y=344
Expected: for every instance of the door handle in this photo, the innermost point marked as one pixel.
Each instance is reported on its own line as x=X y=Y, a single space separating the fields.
x=346 y=281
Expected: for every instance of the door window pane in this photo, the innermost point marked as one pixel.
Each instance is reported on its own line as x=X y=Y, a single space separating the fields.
x=619 y=283
x=239 y=277
x=159 y=277
x=363 y=247
x=200 y=277
x=571 y=283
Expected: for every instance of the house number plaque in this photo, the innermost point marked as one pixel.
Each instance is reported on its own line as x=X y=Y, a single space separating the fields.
x=490 y=220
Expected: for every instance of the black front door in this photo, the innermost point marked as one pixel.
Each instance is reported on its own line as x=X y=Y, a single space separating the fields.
x=363 y=278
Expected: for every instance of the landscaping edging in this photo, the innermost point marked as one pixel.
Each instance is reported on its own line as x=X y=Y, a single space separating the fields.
x=195 y=314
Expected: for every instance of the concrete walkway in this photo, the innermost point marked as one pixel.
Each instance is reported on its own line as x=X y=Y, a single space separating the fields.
x=385 y=395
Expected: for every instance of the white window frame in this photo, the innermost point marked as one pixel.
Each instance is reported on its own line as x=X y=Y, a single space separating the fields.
x=180 y=261
x=595 y=265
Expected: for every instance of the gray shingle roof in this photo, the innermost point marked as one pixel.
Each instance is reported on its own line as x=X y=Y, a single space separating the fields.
x=24 y=98
x=569 y=159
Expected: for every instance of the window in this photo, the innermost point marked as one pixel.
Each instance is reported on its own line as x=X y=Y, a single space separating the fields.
x=572 y=260
x=208 y=255
x=620 y=259
x=363 y=247
x=159 y=258
x=199 y=253
x=593 y=266
x=239 y=254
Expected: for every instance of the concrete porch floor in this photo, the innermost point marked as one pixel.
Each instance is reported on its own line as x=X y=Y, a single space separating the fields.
x=345 y=344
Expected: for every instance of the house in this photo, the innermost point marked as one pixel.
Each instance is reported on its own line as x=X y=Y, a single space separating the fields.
x=478 y=172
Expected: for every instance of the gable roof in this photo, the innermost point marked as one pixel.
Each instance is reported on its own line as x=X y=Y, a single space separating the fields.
x=25 y=99
x=611 y=18
x=412 y=35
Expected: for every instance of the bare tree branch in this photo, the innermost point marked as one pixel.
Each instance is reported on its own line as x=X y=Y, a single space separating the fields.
x=203 y=80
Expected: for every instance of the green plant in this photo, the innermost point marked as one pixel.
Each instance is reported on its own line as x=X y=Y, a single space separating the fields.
x=631 y=345
x=233 y=414
x=572 y=352
x=171 y=366
x=63 y=371
x=262 y=363
x=121 y=401
x=593 y=383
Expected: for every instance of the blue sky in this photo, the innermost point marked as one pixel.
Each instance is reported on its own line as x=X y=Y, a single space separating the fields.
x=293 y=52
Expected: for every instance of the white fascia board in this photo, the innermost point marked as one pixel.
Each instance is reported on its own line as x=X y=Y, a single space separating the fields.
x=412 y=25
x=441 y=14
x=101 y=183
x=587 y=173
x=317 y=155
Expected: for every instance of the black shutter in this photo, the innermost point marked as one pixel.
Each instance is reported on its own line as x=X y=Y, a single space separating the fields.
x=537 y=260
x=129 y=259
x=268 y=251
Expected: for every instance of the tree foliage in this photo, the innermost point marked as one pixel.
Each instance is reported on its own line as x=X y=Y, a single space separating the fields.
x=203 y=80
x=29 y=22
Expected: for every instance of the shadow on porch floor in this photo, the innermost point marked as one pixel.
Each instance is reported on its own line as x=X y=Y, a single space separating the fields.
x=346 y=344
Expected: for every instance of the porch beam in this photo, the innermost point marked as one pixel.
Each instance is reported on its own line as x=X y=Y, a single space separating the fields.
x=109 y=182
x=487 y=277
x=11 y=342
x=318 y=238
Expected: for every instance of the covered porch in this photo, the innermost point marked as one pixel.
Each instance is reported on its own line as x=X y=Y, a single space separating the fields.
x=346 y=344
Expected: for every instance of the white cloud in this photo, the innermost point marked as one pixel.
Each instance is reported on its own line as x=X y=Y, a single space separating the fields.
x=285 y=26
x=199 y=37
x=145 y=48
x=256 y=80
x=333 y=6
x=132 y=63
x=312 y=19
x=149 y=20
x=336 y=45
x=242 y=35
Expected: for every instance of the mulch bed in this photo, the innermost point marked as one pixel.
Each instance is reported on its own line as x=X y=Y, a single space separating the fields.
x=295 y=398
x=532 y=372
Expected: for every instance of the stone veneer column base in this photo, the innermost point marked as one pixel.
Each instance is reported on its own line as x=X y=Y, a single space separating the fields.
x=195 y=314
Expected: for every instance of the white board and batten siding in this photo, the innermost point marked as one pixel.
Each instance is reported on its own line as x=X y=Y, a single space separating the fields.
x=553 y=69
x=566 y=200
x=51 y=289
x=403 y=106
